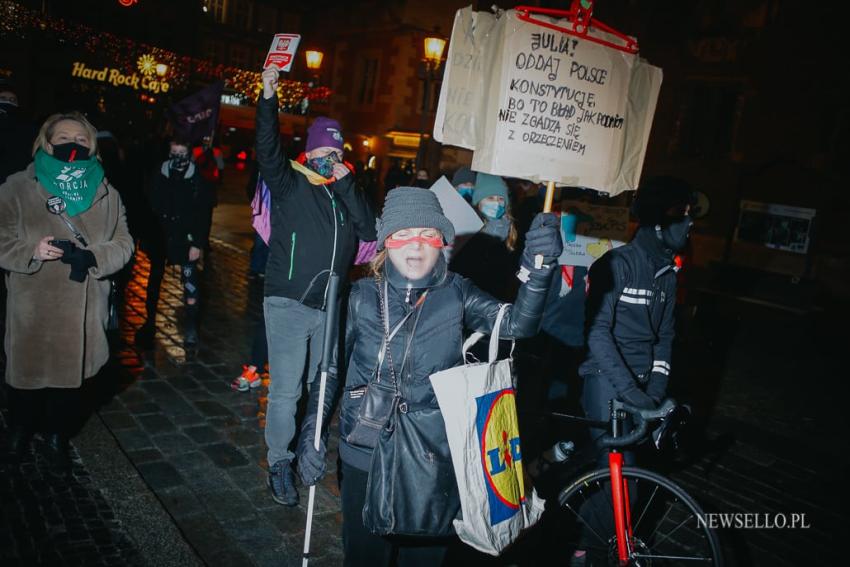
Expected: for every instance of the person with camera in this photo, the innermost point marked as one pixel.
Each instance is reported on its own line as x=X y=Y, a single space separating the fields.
x=62 y=232
x=405 y=323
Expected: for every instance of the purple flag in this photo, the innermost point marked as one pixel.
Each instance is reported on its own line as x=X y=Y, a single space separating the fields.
x=196 y=116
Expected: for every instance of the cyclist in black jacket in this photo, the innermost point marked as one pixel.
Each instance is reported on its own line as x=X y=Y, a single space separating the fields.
x=630 y=305
x=629 y=319
x=317 y=217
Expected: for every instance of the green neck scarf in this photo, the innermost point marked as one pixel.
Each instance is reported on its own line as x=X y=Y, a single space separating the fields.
x=75 y=182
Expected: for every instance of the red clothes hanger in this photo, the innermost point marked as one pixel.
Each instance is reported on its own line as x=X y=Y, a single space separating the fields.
x=580 y=18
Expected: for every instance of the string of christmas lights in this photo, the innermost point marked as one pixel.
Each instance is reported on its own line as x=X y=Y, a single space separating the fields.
x=132 y=56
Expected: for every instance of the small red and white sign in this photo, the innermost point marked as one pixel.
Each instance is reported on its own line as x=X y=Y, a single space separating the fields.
x=282 y=51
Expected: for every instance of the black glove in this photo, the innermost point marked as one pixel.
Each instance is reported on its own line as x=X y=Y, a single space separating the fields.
x=311 y=463
x=543 y=239
x=80 y=261
x=657 y=387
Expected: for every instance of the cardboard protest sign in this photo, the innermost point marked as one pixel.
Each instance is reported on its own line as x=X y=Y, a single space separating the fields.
x=588 y=231
x=539 y=104
x=468 y=65
x=282 y=51
x=464 y=218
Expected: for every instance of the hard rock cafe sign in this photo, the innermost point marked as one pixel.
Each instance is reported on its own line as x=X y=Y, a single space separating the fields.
x=150 y=77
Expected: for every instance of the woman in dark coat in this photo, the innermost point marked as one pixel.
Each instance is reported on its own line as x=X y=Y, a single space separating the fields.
x=424 y=309
x=62 y=233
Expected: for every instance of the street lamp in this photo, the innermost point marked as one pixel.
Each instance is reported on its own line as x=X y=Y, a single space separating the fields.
x=431 y=65
x=314 y=61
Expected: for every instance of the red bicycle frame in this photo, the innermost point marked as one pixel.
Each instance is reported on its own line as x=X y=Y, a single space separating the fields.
x=622 y=508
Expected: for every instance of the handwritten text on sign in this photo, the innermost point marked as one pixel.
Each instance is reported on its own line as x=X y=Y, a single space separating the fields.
x=557 y=109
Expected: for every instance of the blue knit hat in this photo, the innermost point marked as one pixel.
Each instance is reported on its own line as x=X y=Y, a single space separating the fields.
x=412 y=207
x=487 y=185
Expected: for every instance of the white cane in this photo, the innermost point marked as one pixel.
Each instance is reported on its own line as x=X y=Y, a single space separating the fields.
x=327 y=345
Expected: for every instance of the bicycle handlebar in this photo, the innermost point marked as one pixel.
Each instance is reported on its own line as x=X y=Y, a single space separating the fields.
x=642 y=418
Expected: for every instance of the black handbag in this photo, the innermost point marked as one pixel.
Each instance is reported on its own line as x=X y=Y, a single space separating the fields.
x=381 y=397
x=412 y=489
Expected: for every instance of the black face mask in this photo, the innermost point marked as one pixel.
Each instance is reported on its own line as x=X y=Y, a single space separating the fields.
x=71 y=151
x=178 y=162
x=674 y=235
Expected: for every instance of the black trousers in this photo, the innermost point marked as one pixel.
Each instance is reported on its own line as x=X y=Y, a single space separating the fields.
x=597 y=510
x=49 y=410
x=364 y=549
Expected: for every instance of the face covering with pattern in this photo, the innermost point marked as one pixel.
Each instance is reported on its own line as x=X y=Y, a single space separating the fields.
x=76 y=182
x=324 y=165
x=178 y=162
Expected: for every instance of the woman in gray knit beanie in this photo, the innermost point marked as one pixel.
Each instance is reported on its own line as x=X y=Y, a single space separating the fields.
x=404 y=324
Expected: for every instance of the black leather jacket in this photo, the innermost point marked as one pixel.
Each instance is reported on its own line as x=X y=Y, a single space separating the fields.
x=453 y=304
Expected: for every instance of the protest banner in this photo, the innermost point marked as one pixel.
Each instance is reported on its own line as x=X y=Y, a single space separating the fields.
x=565 y=109
x=282 y=51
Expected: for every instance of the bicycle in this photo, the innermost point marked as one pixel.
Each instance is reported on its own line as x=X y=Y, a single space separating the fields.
x=627 y=516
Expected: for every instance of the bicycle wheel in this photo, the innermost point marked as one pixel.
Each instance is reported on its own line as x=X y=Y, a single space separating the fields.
x=665 y=522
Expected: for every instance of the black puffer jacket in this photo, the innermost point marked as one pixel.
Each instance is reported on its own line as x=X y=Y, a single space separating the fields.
x=452 y=305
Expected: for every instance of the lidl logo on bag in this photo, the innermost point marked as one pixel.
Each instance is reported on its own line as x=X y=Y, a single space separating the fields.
x=501 y=457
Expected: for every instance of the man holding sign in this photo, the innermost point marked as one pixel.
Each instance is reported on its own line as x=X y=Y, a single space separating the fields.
x=317 y=217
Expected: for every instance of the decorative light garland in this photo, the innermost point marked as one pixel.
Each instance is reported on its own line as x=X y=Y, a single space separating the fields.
x=131 y=56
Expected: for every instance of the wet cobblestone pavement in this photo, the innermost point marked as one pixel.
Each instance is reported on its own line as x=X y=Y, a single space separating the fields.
x=766 y=446
x=49 y=519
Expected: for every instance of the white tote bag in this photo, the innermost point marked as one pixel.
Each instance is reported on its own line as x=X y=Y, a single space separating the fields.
x=478 y=404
